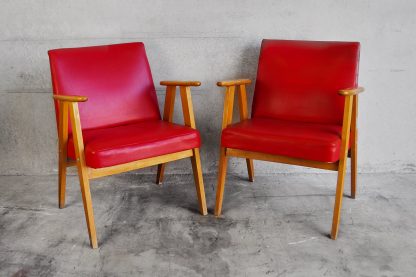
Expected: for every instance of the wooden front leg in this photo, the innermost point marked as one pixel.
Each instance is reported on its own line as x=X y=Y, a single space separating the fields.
x=346 y=129
x=199 y=181
x=222 y=172
x=83 y=173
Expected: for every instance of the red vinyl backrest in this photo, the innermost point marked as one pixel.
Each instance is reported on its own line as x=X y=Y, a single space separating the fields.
x=299 y=80
x=116 y=79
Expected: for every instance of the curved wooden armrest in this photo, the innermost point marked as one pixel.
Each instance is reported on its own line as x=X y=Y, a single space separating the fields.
x=351 y=91
x=70 y=98
x=234 y=82
x=181 y=83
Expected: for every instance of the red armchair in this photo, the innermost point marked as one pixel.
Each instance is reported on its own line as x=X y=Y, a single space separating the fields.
x=119 y=128
x=304 y=112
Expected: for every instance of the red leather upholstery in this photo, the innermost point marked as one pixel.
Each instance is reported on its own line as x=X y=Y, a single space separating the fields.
x=299 y=80
x=122 y=144
x=121 y=120
x=303 y=140
x=116 y=78
x=297 y=111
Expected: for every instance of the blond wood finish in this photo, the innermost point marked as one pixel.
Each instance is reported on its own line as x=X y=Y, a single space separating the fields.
x=199 y=181
x=222 y=172
x=83 y=173
x=189 y=120
x=250 y=169
x=280 y=159
x=351 y=91
x=160 y=173
x=346 y=130
x=227 y=115
x=70 y=98
x=242 y=104
x=234 y=82
x=349 y=128
x=187 y=107
x=354 y=146
x=169 y=103
x=63 y=142
x=230 y=88
x=69 y=103
x=181 y=83
x=168 y=117
x=94 y=173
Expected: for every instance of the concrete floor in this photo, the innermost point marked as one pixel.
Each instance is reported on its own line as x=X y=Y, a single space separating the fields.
x=277 y=226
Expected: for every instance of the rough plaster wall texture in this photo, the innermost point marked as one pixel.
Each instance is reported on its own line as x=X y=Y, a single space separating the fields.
x=207 y=41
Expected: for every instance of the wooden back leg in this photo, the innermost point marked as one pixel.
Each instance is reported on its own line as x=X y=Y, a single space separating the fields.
x=250 y=169
x=354 y=150
x=160 y=173
x=354 y=167
x=63 y=142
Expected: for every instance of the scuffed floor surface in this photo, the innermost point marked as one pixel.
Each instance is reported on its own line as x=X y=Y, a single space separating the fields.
x=276 y=226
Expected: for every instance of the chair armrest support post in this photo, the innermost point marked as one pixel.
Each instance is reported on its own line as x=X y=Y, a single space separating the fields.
x=186 y=99
x=169 y=103
x=230 y=88
x=69 y=103
x=349 y=123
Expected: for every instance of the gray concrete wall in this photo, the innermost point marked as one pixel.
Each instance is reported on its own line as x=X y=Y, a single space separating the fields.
x=207 y=41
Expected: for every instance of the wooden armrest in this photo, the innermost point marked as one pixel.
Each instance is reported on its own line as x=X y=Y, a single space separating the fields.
x=350 y=91
x=234 y=82
x=181 y=83
x=70 y=98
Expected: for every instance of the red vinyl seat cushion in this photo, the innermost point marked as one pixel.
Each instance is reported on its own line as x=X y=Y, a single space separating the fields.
x=309 y=141
x=122 y=144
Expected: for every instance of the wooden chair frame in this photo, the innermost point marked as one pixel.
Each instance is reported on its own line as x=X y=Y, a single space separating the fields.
x=70 y=104
x=349 y=128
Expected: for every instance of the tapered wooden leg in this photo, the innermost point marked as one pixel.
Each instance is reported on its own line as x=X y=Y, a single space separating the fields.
x=62 y=184
x=160 y=173
x=63 y=142
x=338 y=201
x=83 y=174
x=199 y=181
x=354 y=166
x=342 y=165
x=222 y=171
x=250 y=169
x=89 y=213
x=354 y=137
